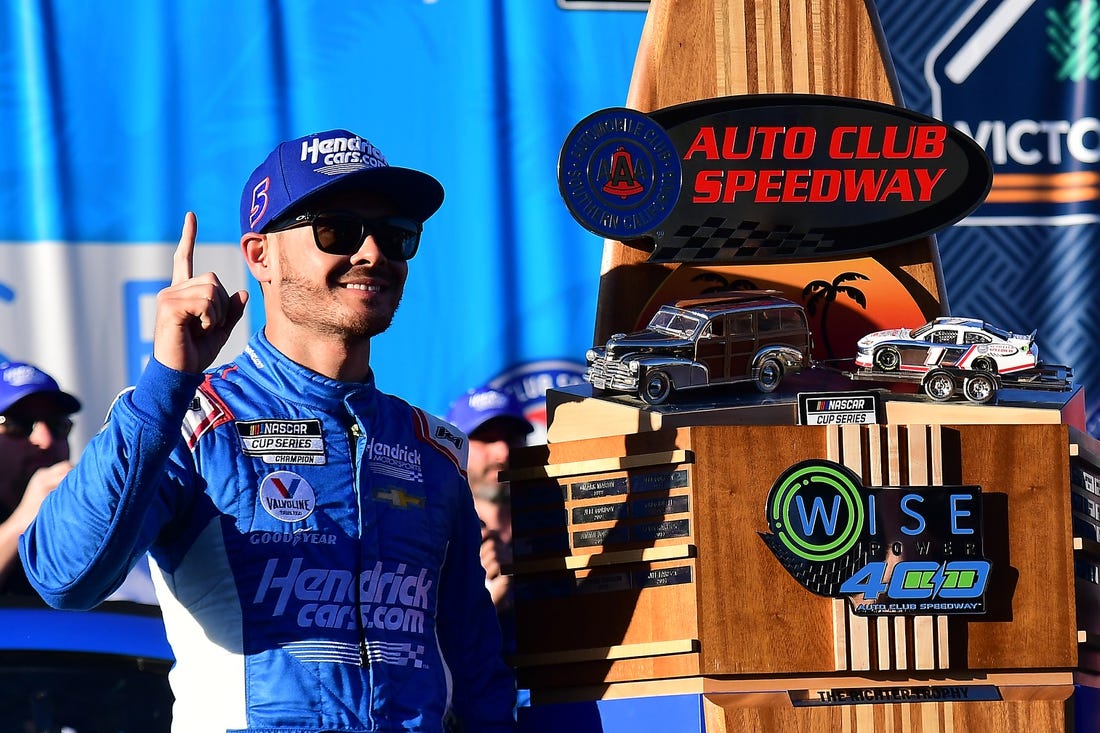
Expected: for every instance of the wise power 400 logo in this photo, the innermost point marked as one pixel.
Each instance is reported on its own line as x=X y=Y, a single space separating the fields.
x=908 y=550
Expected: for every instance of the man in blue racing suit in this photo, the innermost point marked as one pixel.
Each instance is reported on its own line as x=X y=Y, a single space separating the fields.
x=315 y=543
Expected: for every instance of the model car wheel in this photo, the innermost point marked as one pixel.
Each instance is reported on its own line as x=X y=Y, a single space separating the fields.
x=980 y=388
x=985 y=364
x=887 y=359
x=768 y=375
x=656 y=388
x=939 y=386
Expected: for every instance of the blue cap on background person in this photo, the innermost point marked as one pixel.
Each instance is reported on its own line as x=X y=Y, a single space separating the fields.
x=332 y=161
x=19 y=380
x=478 y=406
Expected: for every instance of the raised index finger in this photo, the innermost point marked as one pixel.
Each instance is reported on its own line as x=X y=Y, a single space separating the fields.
x=182 y=260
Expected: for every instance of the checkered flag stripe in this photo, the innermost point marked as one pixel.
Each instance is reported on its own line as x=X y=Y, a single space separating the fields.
x=398 y=472
x=403 y=655
x=331 y=652
x=713 y=240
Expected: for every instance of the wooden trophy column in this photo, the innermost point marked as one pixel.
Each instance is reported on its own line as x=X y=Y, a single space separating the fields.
x=692 y=50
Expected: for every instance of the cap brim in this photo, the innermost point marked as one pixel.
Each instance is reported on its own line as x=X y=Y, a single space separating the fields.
x=522 y=426
x=65 y=402
x=414 y=194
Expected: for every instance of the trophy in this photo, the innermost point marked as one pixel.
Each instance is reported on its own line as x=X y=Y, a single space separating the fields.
x=731 y=562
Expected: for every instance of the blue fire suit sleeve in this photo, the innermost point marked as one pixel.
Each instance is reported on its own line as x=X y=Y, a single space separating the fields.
x=131 y=480
x=484 y=686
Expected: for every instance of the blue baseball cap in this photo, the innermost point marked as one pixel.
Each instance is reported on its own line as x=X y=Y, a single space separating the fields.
x=328 y=161
x=19 y=380
x=478 y=406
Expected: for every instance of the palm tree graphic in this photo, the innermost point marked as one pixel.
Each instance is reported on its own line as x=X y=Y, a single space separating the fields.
x=722 y=284
x=821 y=291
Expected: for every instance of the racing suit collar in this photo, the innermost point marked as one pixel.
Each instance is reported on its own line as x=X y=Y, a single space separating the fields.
x=296 y=383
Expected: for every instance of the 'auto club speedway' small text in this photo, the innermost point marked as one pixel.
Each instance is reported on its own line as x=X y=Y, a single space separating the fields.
x=818 y=184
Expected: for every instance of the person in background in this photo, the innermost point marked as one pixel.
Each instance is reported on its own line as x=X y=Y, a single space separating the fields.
x=315 y=541
x=494 y=422
x=35 y=422
x=34 y=456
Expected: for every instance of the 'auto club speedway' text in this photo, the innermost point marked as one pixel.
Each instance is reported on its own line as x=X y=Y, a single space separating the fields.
x=816 y=184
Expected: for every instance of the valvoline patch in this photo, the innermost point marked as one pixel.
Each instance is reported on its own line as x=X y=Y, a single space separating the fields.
x=287 y=496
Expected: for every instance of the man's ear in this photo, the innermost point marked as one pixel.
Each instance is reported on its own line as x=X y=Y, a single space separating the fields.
x=257 y=255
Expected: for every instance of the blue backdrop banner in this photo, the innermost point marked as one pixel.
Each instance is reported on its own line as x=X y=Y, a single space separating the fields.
x=1020 y=77
x=120 y=117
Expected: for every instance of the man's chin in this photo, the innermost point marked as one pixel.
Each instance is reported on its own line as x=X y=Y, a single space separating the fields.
x=370 y=327
x=497 y=494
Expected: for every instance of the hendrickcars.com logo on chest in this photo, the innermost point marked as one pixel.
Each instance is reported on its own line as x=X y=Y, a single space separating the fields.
x=391 y=596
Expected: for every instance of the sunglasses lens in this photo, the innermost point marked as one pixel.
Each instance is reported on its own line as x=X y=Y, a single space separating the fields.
x=341 y=234
x=60 y=426
x=17 y=426
x=338 y=235
x=398 y=239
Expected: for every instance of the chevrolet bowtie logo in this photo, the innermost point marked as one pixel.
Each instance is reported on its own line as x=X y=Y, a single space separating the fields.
x=399 y=498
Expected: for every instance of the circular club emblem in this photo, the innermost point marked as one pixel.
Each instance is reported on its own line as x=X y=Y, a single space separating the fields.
x=816 y=510
x=619 y=174
x=287 y=496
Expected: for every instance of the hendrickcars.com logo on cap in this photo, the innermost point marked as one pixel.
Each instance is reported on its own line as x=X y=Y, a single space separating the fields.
x=300 y=169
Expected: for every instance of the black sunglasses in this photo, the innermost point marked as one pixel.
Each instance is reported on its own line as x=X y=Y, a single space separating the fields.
x=341 y=233
x=20 y=427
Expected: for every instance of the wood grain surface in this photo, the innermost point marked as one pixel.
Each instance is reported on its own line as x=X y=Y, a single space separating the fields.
x=750 y=618
x=700 y=49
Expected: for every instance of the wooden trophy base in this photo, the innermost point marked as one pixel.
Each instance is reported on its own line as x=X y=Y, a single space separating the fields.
x=641 y=572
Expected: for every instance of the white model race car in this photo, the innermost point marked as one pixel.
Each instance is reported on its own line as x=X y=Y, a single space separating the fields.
x=962 y=343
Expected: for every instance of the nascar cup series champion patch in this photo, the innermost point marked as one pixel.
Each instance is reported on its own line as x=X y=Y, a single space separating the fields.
x=765 y=178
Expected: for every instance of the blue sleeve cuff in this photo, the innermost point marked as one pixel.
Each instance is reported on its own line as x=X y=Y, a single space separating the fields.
x=163 y=393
